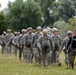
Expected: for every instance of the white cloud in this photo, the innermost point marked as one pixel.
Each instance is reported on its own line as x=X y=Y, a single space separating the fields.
x=4 y=3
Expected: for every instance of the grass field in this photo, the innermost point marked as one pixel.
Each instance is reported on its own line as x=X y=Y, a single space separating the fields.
x=12 y=66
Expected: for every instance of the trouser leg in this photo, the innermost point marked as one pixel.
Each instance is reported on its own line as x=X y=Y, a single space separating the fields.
x=20 y=53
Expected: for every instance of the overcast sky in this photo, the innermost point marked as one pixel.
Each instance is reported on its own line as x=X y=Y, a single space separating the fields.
x=4 y=3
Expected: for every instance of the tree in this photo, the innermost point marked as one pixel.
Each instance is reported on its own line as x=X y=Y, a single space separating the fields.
x=63 y=26
x=46 y=6
x=3 y=26
x=24 y=14
x=34 y=14
x=67 y=8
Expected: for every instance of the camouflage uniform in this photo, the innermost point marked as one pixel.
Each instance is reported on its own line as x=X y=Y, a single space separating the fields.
x=8 y=42
x=64 y=48
x=72 y=48
x=57 y=46
x=35 y=48
x=15 y=43
x=2 y=42
x=20 y=45
x=45 y=43
x=28 y=38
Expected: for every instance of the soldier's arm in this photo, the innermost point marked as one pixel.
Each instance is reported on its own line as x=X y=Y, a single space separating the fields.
x=24 y=40
x=69 y=43
x=51 y=42
x=13 y=41
x=18 y=40
x=60 y=40
x=39 y=43
x=32 y=41
x=5 y=40
x=63 y=43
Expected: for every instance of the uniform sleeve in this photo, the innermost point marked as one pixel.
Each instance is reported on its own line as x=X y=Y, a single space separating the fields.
x=23 y=40
x=13 y=41
x=39 y=42
x=18 y=39
x=60 y=40
x=5 y=40
x=63 y=43
x=69 y=42
x=51 y=42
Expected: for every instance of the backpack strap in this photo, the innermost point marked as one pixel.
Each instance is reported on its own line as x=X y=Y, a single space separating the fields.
x=70 y=43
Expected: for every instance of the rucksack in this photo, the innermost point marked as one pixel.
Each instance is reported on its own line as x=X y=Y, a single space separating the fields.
x=45 y=42
x=28 y=41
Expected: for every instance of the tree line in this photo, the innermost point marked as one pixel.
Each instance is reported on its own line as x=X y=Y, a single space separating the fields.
x=22 y=14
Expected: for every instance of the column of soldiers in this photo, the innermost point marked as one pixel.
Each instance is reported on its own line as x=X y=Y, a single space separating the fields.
x=43 y=47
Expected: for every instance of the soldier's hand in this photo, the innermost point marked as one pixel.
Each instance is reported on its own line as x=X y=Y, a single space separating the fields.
x=24 y=47
x=67 y=51
x=15 y=44
x=40 y=50
x=60 y=51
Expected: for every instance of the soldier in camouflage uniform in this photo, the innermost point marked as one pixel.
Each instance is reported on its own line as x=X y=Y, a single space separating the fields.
x=64 y=48
x=57 y=46
x=2 y=41
x=71 y=46
x=7 y=41
x=36 y=52
x=45 y=46
x=28 y=38
x=49 y=30
x=15 y=43
x=20 y=43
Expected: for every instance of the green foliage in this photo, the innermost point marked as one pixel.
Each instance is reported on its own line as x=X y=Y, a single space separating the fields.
x=63 y=26
x=34 y=14
x=67 y=9
x=2 y=23
x=71 y=21
x=46 y=6
x=24 y=14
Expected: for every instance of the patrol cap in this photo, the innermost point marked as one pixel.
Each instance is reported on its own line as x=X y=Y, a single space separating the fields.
x=39 y=28
x=15 y=33
x=69 y=33
x=8 y=30
x=4 y=32
x=45 y=31
x=23 y=30
x=55 y=30
x=48 y=28
x=30 y=28
x=18 y=33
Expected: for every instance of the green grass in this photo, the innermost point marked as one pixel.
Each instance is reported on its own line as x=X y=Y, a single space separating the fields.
x=12 y=66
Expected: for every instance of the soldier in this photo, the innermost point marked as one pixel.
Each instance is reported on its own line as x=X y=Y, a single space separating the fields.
x=49 y=30
x=71 y=46
x=57 y=46
x=45 y=46
x=36 y=52
x=28 y=38
x=20 y=43
x=7 y=40
x=64 y=48
x=2 y=41
x=15 y=43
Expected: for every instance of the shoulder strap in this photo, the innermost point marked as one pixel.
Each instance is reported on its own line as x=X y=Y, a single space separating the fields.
x=72 y=40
